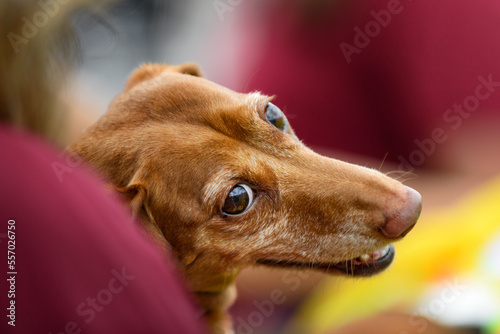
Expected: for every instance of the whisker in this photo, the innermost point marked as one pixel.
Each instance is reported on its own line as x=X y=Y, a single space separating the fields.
x=382 y=163
x=407 y=179
x=408 y=176
x=249 y=79
x=403 y=174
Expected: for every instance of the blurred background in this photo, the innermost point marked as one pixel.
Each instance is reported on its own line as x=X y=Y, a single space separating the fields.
x=408 y=87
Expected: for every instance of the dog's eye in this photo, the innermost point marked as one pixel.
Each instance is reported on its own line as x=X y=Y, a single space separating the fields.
x=239 y=200
x=275 y=116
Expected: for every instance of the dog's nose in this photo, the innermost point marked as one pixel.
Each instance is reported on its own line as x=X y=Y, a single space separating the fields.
x=403 y=214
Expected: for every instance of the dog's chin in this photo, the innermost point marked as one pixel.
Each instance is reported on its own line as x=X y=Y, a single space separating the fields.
x=361 y=266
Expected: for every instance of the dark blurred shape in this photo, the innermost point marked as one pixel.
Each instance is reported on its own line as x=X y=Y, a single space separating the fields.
x=36 y=52
x=132 y=27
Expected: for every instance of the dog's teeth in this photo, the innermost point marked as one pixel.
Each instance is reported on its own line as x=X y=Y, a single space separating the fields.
x=364 y=257
x=380 y=253
x=385 y=251
x=367 y=258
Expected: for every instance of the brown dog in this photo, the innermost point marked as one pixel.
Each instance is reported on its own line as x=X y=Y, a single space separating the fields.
x=221 y=179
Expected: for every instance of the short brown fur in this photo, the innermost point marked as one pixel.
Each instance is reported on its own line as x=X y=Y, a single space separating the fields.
x=175 y=145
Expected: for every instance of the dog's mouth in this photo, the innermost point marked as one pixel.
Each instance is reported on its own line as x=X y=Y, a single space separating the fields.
x=364 y=265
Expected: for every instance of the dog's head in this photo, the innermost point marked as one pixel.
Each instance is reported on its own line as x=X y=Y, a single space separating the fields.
x=224 y=180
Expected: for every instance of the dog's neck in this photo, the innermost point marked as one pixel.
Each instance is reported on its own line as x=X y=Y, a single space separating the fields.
x=215 y=299
x=206 y=280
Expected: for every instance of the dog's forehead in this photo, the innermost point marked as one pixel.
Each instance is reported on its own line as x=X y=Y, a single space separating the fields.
x=179 y=98
x=192 y=111
x=195 y=91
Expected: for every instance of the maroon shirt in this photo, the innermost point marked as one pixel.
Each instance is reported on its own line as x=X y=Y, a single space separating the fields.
x=82 y=265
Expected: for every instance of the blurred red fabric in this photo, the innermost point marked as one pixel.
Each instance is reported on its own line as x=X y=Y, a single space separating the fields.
x=82 y=265
x=396 y=88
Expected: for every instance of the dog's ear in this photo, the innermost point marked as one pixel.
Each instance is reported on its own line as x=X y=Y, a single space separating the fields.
x=136 y=195
x=187 y=68
x=149 y=71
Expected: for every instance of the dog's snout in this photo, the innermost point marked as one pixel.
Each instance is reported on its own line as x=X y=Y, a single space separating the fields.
x=402 y=213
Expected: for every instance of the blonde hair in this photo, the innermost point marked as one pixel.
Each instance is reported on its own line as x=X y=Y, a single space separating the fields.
x=38 y=50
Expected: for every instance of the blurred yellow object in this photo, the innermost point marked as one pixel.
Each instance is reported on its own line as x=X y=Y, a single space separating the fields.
x=446 y=248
